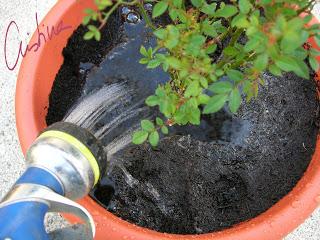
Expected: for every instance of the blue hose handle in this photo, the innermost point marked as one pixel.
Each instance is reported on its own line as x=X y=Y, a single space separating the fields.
x=24 y=220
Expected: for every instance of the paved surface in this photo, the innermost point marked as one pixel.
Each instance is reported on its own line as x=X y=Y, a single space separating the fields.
x=11 y=159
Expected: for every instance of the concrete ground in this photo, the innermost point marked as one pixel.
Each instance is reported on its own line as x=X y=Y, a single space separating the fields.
x=11 y=159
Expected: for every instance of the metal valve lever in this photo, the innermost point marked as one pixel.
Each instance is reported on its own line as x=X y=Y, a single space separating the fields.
x=36 y=200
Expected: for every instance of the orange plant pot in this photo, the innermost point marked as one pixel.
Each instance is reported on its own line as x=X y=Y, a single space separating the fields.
x=35 y=80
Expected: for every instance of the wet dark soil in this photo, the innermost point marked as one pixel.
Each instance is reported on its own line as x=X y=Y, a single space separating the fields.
x=200 y=179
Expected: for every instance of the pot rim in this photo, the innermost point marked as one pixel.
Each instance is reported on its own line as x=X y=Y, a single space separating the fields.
x=32 y=100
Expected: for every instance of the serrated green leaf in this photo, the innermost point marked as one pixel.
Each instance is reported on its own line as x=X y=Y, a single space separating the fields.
x=147 y=125
x=143 y=51
x=197 y=3
x=209 y=29
x=86 y=20
x=139 y=137
x=159 y=121
x=209 y=9
x=314 y=64
x=203 y=82
x=234 y=100
x=227 y=11
x=235 y=75
x=285 y=63
x=301 y=69
x=93 y=28
x=89 y=11
x=88 y=35
x=221 y=87
x=261 y=62
x=317 y=39
x=203 y=99
x=211 y=49
x=164 y=130
x=245 y=6
x=177 y=3
x=276 y=71
x=153 y=63
x=143 y=60
x=154 y=138
x=97 y=36
x=159 y=9
x=240 y=21
x=152 y=101
x=174 y=62
x=215 y=104
x=160 y=33
x=192 y=89
x=252 y=44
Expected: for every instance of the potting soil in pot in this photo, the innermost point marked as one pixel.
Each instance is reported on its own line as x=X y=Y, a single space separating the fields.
x=201 y=178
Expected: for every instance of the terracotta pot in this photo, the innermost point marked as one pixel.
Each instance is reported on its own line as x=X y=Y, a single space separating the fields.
x=34 y=84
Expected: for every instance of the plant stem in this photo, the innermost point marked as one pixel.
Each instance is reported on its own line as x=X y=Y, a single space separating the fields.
x=114 y=7
x=306 y=7
x=145 y=16
x=236 y=36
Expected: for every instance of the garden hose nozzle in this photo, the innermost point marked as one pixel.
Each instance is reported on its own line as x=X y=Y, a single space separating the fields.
x=63 y=164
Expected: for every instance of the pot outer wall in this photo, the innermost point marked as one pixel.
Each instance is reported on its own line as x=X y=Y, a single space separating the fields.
x=36 y=76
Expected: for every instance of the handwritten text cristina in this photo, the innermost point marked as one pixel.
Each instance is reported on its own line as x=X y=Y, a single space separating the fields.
x=42 y=37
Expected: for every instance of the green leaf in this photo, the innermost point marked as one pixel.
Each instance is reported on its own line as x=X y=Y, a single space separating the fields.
x=143 y=60
x=172 y=39
x=93 y=28
x=97 y=35
x=152 y=101
x=192 y=89
x=139 y=137
x=203 y=82
x=211 y=49
x=159 y=9
x=245 y=6
x=154 y=138
x=89 y=11
x=221 y=87
x=153 y=63
x=240 y=21
x=160 y=33
x=147 y=125
x=159 y=121
x=174 y=62
x=314 y=64
x=86 y=20
x=88 y=35
x=317 y=39
x=234 y=100
x=143 y=51
x=252 y=44
x=261 y=62
x=276 y=71
x=197 y=3
x=209 y=9
x=177 y=3
x=227 y=11
x=164 y=130
x=215 y=104
x=235 y=75
x=285 y=63
x=230 y=51
x=203 y=99
x=209 y=29
x=301 y=69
